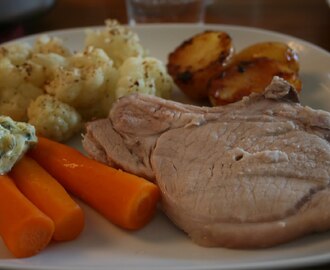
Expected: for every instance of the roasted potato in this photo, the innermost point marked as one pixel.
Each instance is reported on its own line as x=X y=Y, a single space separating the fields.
x=252 y=69
x=198 y=59
x=273 y=50
x=242 y=78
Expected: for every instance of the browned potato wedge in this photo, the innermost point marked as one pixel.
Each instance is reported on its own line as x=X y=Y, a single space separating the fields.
x=198 y=59
x=241 y=79
x=273 y=50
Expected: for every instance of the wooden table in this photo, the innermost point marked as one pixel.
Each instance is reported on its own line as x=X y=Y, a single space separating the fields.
x=305 y=19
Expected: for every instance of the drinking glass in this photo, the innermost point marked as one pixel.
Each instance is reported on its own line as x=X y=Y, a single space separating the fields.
x=165 y=11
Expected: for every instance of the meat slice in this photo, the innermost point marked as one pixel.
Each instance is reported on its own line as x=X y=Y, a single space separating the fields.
x=247 y=175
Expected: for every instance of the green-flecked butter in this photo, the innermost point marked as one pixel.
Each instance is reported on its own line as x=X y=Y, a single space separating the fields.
x=15 y=139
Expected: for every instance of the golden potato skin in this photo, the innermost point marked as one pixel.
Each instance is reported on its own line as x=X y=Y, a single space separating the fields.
x=198 y=59
x=273 y=50
x=252 y=69
x=242 y=78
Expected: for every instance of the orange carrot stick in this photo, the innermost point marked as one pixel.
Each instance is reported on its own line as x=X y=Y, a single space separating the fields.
x=125 y=199
x=23 y=227
x=50 y=197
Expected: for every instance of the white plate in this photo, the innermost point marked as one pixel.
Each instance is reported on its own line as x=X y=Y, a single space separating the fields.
x=160 y=245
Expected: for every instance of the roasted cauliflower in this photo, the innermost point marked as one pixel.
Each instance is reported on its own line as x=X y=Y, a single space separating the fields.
x=85 y=81
x=17 y=53
x=53 y=118
x=118 y=41
x=19 y=85
x=50 y=63
x=24 y=71
x=56 y=90
x=46 y=44
x=144 y=75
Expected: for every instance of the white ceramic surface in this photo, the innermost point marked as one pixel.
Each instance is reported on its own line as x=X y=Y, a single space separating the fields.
x=160 y=245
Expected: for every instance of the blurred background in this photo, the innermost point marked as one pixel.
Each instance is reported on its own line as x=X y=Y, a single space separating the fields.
x=306 y=19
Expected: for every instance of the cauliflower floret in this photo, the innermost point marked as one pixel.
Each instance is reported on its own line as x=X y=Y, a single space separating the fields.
x=101 y=108
x=15 y=101
x=46 y=44
x=53 y=118
x=144 y=75
x=85 y=81
x=50 y=53
x=17 y=53
x=32 y=73
x=50 y=63
x=12 y=75
x=18 y=87
x=116 y=40
x=35 y=65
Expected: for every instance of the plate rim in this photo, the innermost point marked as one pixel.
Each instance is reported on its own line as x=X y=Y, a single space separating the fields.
x=176 y=25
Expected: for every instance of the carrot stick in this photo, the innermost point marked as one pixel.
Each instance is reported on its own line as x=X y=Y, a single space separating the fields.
x=125 y=199
x=50 y=197
x=23 y=227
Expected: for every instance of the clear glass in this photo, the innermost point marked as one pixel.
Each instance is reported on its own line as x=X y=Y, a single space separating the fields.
x=165 y=11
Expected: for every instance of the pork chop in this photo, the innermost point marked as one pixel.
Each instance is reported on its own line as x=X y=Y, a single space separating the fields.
x=247 y=175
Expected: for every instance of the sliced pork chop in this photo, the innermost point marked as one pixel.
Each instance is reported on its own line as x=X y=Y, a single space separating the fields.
x=246 y=175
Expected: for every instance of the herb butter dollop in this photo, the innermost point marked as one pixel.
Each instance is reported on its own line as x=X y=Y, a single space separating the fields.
x=15 y=139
